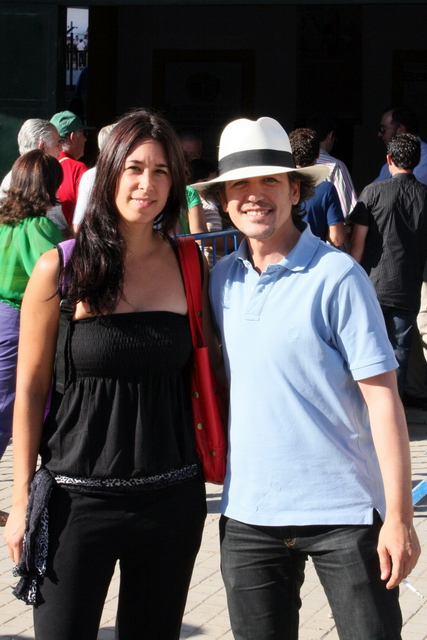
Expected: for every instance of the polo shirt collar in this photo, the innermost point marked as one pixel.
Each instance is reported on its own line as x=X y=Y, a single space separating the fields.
x=297 y=260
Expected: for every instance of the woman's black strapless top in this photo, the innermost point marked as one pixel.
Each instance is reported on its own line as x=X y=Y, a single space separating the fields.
x=125 y=411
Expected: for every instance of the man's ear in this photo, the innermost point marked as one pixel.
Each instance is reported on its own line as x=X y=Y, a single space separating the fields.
x=389 y=160
x=222 y=198
x=40 y=144
x=295 y=191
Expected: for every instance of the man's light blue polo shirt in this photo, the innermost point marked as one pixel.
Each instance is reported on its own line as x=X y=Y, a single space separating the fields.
x=295 y=339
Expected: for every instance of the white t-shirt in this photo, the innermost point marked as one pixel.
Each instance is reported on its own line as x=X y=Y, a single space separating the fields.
x=85 y=189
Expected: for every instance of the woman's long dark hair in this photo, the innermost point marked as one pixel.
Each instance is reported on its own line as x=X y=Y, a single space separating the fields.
x=95 y=271
x=35 y=179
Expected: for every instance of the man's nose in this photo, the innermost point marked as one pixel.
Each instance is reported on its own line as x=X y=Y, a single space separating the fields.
x=256 y=193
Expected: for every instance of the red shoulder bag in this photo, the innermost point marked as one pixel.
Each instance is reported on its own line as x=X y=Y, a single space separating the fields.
x=209 y=408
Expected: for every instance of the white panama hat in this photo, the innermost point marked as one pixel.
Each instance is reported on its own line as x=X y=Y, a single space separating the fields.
x=251 y=148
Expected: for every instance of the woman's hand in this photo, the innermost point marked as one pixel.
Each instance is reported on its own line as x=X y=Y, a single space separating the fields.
x=14 y=532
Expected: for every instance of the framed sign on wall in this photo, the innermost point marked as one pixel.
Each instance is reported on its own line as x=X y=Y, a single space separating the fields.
x=202 y=90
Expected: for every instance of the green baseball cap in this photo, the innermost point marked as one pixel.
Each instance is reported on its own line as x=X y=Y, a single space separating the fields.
x=67 y=121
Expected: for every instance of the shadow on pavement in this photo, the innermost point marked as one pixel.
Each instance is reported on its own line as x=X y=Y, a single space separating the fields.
x=106 y=633
x=186 y=629
x=16 y=637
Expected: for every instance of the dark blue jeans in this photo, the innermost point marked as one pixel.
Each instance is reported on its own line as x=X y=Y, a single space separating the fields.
x=399 y=325
x=263 y=570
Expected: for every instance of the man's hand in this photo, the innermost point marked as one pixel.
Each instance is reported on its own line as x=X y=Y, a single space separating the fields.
x=398 y=550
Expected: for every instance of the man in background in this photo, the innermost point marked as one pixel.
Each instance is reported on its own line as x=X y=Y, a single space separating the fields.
x=389 y=240
x=340 y=177
x=397 y=120
x=192 y=145
x=72 y=132
x=39 y=134
x=323 y=211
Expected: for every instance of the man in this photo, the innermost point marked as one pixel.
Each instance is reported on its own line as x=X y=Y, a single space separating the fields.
x=87 y=181
x=73 y=139
x=191 y=144
x=323 y=211
x=339 y=175
x=397 y=120
x=81 y=48
x=307 y=357
x=38 y=134
x=390 y=242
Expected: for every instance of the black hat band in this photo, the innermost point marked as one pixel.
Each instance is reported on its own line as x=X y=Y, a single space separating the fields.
x=256 y=158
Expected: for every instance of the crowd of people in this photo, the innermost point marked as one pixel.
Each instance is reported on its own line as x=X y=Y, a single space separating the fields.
x=307 y=340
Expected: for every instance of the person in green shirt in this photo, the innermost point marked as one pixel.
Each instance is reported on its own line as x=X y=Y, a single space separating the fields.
x=193 y=220
x=25 y=233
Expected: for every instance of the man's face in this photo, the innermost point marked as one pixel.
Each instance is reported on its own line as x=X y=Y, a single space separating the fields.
x=79 y=141
x=261 y=207
x=52 y=145
x=192 y=148
x=388 y=129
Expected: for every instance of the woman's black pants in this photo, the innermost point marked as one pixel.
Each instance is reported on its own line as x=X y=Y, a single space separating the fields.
x=154 y=535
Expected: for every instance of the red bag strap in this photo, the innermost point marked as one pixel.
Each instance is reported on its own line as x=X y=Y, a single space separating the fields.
x=190 y=267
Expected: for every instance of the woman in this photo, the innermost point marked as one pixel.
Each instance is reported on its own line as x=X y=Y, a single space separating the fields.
x=25 y=233
x=119 y=439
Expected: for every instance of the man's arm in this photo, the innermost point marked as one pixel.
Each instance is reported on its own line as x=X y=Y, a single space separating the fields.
x=84 y=191
x=398 y=546
x=344 y=185
x=337 y=234
x=357 y=241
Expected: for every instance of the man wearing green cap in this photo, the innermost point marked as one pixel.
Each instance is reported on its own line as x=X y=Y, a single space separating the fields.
x=73 y=140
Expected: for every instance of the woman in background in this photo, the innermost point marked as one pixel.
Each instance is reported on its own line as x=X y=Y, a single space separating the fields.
x=25 y=233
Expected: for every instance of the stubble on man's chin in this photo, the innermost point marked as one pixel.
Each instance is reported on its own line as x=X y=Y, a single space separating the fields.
x=267 y=233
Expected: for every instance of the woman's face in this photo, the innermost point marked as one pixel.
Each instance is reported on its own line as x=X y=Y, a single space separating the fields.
x=144 y=185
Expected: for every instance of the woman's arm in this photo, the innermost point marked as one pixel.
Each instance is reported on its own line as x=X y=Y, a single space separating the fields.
x=37 y=345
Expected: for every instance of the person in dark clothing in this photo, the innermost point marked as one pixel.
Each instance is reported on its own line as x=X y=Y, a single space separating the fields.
x=118 y=443
x=389 y=240
x=323 y=211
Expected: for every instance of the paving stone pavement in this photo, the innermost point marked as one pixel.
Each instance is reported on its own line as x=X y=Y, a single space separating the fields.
x=206 y=616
